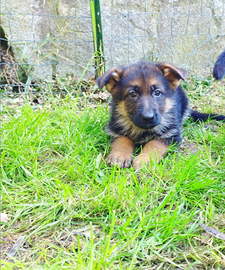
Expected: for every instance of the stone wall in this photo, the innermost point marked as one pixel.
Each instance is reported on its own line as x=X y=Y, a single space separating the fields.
x=55 y=36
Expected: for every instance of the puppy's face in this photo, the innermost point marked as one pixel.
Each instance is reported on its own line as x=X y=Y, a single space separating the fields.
x=142 y=91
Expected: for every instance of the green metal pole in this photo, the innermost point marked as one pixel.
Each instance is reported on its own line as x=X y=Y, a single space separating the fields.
x=97 y=37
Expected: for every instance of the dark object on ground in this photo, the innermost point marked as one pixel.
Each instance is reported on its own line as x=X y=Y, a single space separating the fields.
x=219 y=68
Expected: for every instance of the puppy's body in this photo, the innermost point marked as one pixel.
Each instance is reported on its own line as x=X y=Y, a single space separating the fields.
x=148 y=107
x=168 y=130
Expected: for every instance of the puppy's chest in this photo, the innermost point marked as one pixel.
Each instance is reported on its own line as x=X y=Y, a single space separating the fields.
x=162 y=132
x=138 y=137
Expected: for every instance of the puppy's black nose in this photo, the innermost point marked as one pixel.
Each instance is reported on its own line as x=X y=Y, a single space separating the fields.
x=148 y=117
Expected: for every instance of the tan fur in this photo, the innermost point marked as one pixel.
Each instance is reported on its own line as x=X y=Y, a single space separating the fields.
x=114 y=78
x=122 y=109
x=152 y=81
x=121 y=153
x=168 y=105
x=154 y=149
x=125 y=116
x=173 y=75
x=137 y=82
x=173 y=83
x=124 y=120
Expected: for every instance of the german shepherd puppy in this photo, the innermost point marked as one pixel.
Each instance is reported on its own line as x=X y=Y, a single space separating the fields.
x=148 y=108
x=219 y=68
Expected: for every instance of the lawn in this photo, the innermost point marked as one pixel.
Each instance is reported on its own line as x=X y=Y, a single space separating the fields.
x=67 y=210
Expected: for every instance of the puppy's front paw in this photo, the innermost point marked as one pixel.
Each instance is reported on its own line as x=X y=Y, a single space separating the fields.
x=119 y=158
x=139 y=160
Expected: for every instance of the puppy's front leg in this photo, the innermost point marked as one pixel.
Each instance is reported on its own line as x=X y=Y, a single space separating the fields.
x=153 y=149
x=121 y=153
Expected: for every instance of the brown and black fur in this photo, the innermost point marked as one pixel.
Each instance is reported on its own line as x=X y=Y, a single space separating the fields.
x=148 y=108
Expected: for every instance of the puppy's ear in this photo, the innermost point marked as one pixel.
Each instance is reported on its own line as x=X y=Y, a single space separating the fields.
x=110 y=78
x=173 y=74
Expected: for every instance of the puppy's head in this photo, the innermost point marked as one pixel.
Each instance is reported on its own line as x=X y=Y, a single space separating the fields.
x=142 y=91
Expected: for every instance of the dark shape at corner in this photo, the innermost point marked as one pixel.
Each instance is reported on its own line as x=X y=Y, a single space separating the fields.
x=219 y=68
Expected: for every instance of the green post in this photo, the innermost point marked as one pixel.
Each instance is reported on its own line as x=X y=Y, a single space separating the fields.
x=97 y=37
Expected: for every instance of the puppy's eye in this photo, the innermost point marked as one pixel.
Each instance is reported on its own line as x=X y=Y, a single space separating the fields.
x=157 y=92
x=133 y=94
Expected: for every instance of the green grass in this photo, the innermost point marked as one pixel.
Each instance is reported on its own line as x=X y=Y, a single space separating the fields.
x=77 y=213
